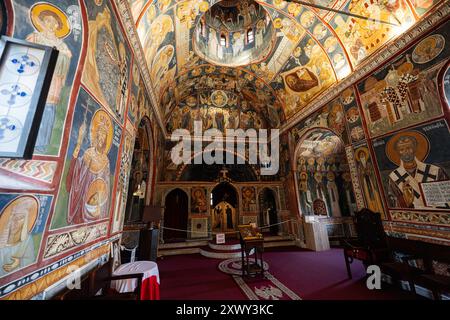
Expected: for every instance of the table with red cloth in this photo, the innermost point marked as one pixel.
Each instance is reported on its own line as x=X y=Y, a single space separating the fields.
x=150 y=281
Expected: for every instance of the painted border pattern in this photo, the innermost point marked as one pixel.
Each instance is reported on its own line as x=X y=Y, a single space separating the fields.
x=62 y=242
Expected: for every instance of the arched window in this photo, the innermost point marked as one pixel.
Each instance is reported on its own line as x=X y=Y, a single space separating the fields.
x=250 y=36
x=223 y=40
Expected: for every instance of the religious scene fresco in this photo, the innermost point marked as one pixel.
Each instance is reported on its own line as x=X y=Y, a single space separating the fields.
x=107 y=66
x=343 y=118
x=22 y=222
x=57 y=24
x=405 y=92
x=340 y=115
x=324 y=180
x=303 y=51
x=222 y=98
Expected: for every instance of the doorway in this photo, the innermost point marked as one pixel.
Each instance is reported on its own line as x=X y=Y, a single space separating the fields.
x=268 y=212
x=224 y=207
x=323 y=178
x=176 y=216
x=139 y=175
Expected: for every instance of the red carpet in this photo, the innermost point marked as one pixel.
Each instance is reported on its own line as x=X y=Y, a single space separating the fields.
x=311 y=275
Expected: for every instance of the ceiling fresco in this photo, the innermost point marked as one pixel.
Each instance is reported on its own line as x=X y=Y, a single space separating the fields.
x=270 y=58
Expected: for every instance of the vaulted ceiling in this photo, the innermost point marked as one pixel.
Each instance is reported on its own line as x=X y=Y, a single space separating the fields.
x=310 y=51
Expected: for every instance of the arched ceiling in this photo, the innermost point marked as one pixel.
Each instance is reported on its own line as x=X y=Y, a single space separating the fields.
x=314 y=50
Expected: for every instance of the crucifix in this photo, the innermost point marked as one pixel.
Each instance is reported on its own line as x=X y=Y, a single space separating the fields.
x=224 y=173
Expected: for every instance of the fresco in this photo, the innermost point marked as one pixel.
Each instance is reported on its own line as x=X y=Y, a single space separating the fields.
x=249 y=199
x=22 y=221
x=199 y=204
x=367 y=179
x=323 y=175
x=136 y=7
x=447 y=86
x=307 y=72
x=57 y=24
x=209 y=94
x=310 y=49
x=335 y=117
x=247 y=34
x=423 y=6
x=410 y=159
x=107 y=66
x=123 y=183
x=360 y=37
x=88 y=177
x=405 y=92
x=137 y=87
x=352 y=116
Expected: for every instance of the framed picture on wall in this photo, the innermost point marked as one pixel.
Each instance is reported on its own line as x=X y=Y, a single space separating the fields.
x=26 y=71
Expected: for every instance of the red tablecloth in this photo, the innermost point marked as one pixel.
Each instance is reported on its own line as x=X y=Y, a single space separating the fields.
x=150 y=281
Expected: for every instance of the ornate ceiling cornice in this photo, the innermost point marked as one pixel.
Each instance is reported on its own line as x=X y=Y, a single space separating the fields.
x=128 y=22
x=392 y=48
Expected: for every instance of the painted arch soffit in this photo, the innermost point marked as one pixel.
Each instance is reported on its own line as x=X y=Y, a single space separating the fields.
x=312 y=50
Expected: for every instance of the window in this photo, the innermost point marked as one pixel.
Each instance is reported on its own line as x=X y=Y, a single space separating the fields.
x=211 y=197
x=250 y=36
x=223 y=40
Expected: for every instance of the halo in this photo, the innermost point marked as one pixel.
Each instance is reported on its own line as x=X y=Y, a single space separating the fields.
x=236 y=35
x=433 y=45
x=216 y=94
x=277 y=23
x=5 y=214
x=423 y=146
x=260 y=24
x=204 y=6
x=102 y=119
x=64 y=25
x=358 y=152
x=331 y=176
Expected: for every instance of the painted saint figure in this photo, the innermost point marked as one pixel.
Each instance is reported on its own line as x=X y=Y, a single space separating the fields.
x=409 y=148
x=88 y=179
x=16 y=243
x=260 y=30
x=51 y=29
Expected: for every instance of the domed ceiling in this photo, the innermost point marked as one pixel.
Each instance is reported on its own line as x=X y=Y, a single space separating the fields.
x=240 y=64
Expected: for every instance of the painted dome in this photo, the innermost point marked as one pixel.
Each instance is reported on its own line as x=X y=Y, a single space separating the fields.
x=234 y=33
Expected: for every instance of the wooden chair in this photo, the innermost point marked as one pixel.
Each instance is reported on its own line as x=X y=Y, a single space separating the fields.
x=100 y=284
x=370 y=246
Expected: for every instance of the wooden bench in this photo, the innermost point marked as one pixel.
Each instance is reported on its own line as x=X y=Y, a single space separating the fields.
x=418 y=264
